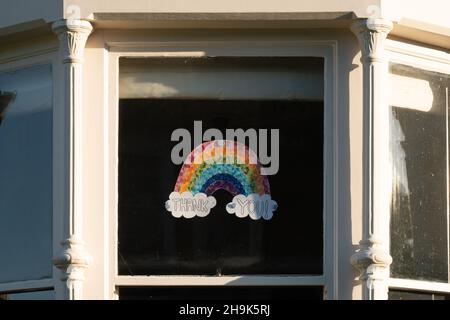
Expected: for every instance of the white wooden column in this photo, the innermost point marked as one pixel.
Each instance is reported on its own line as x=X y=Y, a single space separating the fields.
x=372 y=258
x=73 y=258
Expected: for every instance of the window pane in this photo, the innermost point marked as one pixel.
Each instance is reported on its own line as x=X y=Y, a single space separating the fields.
x=26 y=174
x=153 y=241
x=221 y=293
x=416 y=295
x=222 y=78
x=30 y=295
x=419 y=144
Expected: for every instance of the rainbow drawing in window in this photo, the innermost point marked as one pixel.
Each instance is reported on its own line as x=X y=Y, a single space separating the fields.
x=227 y=165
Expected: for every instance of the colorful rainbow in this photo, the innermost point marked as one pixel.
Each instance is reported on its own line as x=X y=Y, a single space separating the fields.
x=222 y=164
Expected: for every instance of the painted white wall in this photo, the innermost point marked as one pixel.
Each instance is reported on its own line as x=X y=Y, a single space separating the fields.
x=89 y=7
x=431 y=15
x=423 y=14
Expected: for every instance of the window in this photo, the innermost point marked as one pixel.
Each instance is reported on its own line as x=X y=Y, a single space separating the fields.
x=416 y=295
x=419 y=131
x=26 y=109
x=29 y=295
x=221 y=293
x=419 y=217
x=212 y=96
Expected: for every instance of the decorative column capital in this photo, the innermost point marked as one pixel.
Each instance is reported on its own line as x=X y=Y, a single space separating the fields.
x=371 y=34
x=72 y=35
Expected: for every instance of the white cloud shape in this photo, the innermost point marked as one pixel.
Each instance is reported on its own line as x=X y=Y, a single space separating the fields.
x=253 y=205
x=188 y=206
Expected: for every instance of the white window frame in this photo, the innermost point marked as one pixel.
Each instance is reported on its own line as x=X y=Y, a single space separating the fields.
x=431 y=60
x=44 y=56
x=326 y=49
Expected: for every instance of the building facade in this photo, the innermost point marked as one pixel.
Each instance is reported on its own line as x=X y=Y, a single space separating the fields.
x=333 y=117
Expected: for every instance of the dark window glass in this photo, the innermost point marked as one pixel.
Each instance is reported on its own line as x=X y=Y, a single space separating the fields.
x=221 y=293
x=419 y=148
x=26 y=115
x=152 y=241
x=416 y=295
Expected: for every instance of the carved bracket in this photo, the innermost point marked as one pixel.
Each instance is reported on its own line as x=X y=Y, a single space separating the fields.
x=72 y=35
x=371 y=34
x=73 y=260
x=371 y=260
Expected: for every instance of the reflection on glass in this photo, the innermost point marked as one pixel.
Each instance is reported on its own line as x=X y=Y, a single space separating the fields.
x=222 y=78
x=416 y=295
x=6 y=98
x=30 y=295
x=26 y=174
x=419 y=142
